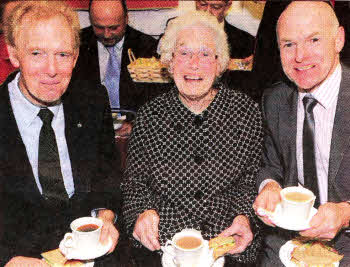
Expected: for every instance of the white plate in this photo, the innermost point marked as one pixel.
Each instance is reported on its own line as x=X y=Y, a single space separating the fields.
x=281 y=221
x=286 y=255
x=92 y=253
x=89 y=263
x=206 y=259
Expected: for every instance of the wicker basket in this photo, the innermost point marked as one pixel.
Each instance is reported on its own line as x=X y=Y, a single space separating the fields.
x=147 y=70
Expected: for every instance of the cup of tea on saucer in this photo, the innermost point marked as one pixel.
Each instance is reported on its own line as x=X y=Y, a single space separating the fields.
x=296 y=204
x=186 y=247
x=85 y=233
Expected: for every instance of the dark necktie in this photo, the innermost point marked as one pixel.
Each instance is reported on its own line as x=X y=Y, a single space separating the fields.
x=310 y=173
x=49 y=167
x=112 y=78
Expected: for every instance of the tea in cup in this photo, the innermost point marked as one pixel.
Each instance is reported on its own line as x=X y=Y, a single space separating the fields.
x=187 y=248
x=85 y=233
x=297 y=203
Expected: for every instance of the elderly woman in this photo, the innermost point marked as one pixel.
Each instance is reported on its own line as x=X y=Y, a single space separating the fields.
x=194 y=152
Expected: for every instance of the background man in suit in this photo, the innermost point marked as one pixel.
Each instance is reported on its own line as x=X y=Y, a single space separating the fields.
x=57 y=155
x=241 y=43
x=310 y=40
x=111 y=35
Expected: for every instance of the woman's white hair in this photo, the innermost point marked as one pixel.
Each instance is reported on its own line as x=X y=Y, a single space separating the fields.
x=187 y=20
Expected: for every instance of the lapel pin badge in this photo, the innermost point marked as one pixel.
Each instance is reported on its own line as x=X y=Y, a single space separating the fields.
x=79 y=125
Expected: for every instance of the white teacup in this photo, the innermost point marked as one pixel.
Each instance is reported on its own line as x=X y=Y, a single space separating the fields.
x=85 y=233
x=297 y=203
x=187 y=248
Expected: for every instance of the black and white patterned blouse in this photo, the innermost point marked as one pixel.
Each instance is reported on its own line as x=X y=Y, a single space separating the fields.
x=196 y=171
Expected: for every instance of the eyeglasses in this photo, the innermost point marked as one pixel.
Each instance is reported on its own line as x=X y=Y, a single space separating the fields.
x=204 y=56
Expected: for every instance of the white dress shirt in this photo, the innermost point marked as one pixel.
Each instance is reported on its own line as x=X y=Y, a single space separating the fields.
x=29 y=125
x=324 y=113
x=103 y=57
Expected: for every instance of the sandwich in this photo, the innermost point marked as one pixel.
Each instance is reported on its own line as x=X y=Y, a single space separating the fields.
x=221 y=245
x=314 y=253
x=56 y=259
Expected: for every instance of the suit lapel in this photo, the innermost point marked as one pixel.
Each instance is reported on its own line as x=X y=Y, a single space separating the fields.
x=290 y=129
x=341 y=131
x=125 y=61
x=75 y=122
x=92 y=57
x=13 y=155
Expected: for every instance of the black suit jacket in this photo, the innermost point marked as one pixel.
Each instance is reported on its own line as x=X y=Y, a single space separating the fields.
x=279 y=107
x=28 y=226
x=132 y=95
x=241 y=43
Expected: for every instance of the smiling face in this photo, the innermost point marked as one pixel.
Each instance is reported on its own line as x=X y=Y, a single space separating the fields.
x=194 y=64
x=108 y=21
x=310 y=42
x=46 y=66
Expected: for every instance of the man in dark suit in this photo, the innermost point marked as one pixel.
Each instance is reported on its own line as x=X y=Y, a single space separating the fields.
x=57 y=158
x=310 y=40
x=110 y=29
x=241 y=43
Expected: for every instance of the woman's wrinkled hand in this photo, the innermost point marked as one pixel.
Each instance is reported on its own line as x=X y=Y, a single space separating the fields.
x=241 y=232
x=146 y=229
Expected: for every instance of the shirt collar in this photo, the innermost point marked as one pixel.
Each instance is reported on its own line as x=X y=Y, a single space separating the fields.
x=118 y=46
x=327 y=93
x=27 y=109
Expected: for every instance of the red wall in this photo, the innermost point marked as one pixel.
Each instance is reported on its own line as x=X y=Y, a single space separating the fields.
x=132 y=4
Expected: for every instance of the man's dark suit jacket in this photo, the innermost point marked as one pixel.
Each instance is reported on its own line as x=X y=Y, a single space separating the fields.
x=132 y=95
x=241 y=45
x=279 y=108
x=240 y=42
x=27 y=225
x=342 y=9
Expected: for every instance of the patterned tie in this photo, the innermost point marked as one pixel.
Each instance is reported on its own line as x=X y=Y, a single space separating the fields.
x=112 y=78
x=310 y=173
x=49 y=167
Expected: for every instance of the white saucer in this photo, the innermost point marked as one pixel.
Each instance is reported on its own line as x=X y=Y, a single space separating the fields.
x=281 y=221
x=286 y=255
x=90 y=254
x=207 y=259
x=89 y=263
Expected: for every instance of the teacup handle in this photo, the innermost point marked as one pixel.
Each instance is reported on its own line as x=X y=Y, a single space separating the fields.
x=68 y=240
x=166 y=249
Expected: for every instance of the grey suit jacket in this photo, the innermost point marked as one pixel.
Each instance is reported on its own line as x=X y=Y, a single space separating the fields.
x=279 y=106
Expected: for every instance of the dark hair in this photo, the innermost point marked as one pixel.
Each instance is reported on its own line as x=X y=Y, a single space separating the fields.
x=125 y=8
